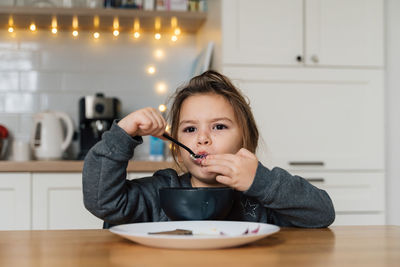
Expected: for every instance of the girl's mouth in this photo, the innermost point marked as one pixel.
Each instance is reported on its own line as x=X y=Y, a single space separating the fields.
x=199 y=157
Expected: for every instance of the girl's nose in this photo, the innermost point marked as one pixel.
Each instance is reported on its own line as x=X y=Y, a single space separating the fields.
x=203 y=138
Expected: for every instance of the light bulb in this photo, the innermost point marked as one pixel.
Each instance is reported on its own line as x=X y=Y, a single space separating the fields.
x=96 y=35
x=159 y=54
x=75 y=33
x=116 y=33
x=54 y=30
x=162 y=108
x=157 y=36
x=136 y=35
x=177 y=31
x=32 y=27
x=161 y=88
x=151 y=70
x=10 y=29
x=174 y=38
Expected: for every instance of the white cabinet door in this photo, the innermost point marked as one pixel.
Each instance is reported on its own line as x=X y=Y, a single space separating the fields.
x=15 y=201
x=344 y=32
x=262 y=31
x=315 y=118
x=58 y=202
x=347 y=33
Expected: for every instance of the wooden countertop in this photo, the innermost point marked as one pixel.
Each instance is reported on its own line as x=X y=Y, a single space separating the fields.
x=76 y=166
x=337 y=246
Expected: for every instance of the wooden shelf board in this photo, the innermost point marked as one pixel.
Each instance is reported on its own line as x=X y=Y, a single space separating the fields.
x=189 y=22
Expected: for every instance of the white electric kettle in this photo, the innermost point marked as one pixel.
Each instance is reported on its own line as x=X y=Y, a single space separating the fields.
x=48 y=141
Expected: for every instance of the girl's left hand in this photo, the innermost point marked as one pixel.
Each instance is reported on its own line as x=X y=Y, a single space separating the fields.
x=234 y=170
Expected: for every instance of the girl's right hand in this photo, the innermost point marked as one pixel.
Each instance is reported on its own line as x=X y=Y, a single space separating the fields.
x=146 y=121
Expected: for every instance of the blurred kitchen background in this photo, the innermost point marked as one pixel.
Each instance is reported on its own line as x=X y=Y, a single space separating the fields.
x=328 y=108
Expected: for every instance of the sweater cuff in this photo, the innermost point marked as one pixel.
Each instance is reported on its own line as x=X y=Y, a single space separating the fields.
x=120 y=141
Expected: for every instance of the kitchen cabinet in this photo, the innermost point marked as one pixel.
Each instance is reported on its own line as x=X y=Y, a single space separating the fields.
x=358 y=197
x=58 y=201
x=46 y=201
x=312 y=118
x=15 y=195
x=344 y=33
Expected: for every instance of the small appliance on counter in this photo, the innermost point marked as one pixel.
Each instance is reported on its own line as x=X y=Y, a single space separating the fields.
x=48 y=141
x=96 y=114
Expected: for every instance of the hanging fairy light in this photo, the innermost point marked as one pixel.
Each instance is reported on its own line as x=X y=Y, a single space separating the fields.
x=174 y=38
x=116 y=27
x=54 y=25
x=75 y=32
x=32 y=27
x=10 y=24
x=136 y=28
x=96 y=23
x=157 y=26
x=151 y=70
x=175 y=28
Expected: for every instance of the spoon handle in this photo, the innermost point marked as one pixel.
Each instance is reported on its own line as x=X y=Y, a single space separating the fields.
x=179 y=144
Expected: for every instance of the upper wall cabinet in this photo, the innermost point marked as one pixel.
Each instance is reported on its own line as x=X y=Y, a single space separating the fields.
x=340 y=33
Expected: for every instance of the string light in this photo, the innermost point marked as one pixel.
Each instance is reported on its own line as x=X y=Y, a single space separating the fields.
x=158 y=54
x=96 y=23
x=157 y=26
x=32 y=27
x=75 y=26
x=151 y=70
x=174 y=38
x=10 y=24
x=177 y=31
x=161 y=88
x=162 y=108
x=136 y=28
x=53 y=25
x=116 y=27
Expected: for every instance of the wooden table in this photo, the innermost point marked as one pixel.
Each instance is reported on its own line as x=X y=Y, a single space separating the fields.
x=336 y=246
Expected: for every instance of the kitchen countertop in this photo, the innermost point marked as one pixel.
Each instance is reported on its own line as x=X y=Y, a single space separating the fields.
x=335 y=246
x=76 y=166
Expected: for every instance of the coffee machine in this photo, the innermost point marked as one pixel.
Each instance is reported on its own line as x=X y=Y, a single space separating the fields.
x=96 y=114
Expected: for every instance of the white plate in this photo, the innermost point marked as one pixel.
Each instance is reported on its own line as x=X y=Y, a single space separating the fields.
x=206 y=234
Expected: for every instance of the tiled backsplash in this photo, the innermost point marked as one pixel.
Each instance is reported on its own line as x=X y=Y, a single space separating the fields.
x=39 y=71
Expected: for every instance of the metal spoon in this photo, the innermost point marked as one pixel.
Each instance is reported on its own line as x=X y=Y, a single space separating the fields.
x=193 y=155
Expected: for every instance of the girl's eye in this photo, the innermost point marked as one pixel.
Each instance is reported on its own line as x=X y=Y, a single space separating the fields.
x=220 y=127
x=189 y=129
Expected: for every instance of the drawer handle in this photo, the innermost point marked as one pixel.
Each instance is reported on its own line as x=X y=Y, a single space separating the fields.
x=306 y=163
x=315 y=180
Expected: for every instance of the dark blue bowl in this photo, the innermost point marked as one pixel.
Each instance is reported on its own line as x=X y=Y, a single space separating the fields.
x=202 y=203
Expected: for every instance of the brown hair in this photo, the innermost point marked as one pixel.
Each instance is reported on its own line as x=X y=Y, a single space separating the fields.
x=212 y=82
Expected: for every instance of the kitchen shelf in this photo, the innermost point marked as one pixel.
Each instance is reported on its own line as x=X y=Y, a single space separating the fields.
x=23 y=16
x=77 y=165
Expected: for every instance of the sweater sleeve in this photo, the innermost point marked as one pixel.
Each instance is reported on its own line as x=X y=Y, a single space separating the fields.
x=291 y=200
x=108 y=194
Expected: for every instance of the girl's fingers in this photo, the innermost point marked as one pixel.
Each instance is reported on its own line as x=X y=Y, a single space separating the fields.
x=224 y=180
x=220 y=169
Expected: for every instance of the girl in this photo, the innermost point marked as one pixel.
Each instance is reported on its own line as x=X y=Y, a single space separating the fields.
x=210 y=116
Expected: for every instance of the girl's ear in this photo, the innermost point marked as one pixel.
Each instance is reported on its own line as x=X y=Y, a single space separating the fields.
x=179 y=156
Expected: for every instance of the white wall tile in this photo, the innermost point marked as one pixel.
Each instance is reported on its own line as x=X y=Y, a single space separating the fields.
x=8 y=81
x=40 y=81
x=20 y=103
x=18 y=60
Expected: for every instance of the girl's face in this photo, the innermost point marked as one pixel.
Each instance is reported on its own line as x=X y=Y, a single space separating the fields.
x=207 y=125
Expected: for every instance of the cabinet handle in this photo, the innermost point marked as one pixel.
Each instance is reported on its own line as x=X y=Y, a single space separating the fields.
x=306 y=163
x=315 y=58
x=315 y=180
x=299 y=58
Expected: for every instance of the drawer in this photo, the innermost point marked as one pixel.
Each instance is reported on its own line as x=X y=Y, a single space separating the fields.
x=350 y=191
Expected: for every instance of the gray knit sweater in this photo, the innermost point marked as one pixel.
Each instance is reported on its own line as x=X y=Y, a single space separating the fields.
x=275 y=196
